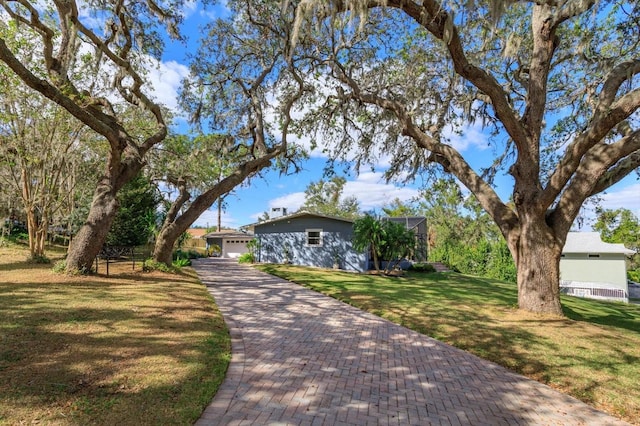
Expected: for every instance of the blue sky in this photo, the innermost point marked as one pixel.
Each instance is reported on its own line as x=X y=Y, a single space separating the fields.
x=271 y=189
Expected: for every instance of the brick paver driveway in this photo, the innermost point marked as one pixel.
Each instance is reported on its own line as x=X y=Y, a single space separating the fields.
x=301 y=358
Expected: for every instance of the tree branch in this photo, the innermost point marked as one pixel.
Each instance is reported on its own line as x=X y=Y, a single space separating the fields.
x=54 y=94
x=442 y=154
x=608 y=115
x=432 y=16
x=621 y=169
x=600 y=168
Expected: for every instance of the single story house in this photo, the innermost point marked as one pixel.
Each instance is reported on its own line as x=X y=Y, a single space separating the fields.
x=232 y=243
x=308 y=239
x=592 y=268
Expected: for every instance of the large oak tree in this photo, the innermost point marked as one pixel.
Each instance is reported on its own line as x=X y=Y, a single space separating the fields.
x=244 y=88
x=91 y=61
x=555 y=82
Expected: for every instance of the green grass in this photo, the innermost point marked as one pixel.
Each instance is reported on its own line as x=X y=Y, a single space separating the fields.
x=592 y=354
x=129 y=349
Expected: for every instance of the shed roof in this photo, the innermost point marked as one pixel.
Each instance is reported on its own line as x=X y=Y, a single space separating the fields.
x=228 y=233
x=590 y=242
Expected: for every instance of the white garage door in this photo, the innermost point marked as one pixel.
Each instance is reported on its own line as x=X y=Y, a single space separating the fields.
x=232 y=249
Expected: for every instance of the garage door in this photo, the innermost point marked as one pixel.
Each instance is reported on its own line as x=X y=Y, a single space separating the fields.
x=232 y=249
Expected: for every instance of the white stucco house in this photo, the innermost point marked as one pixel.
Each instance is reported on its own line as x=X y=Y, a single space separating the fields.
x=592 y=268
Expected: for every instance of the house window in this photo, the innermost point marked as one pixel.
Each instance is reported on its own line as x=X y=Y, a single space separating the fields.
x=314 y=237
x=594 y=255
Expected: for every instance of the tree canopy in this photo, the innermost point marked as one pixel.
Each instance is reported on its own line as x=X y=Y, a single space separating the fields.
x=623 y=227
x=554 y=83
x=91 y=59
x=327 y=197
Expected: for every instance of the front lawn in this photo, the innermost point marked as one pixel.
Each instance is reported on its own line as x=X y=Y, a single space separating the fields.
x=593 y=354
x=129 y=349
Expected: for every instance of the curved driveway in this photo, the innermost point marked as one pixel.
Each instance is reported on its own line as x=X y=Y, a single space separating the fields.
x=301 y=358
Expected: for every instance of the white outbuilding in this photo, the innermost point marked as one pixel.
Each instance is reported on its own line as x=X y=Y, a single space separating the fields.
x=592 y=268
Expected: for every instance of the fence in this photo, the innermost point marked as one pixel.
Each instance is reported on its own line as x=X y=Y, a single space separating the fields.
x=593 y=291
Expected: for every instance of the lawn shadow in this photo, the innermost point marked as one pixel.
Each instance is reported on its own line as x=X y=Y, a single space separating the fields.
x=130 y=360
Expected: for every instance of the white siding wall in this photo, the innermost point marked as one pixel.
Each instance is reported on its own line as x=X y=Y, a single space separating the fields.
x=606 y=269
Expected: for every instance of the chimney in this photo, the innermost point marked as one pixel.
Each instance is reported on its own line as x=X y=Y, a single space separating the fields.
x=278 y=212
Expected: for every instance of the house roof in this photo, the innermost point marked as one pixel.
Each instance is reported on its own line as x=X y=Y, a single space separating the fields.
x=228 y=233
x=196 y=232
x=590 y=242
x=293 y=216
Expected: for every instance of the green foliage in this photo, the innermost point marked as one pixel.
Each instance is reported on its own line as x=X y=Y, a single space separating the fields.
x=183 y=238
x=399 y=209
x=325 y=197
x=368 y=235
x=623 y=227
x=150 y=265
x=59 y=267
x=253 y=246
x=135 y=219
x=246 y=258
x=39 y=259
x=214 y=250
x=634 y=275
x=181 y=262
x=422 y=267
x=186 y=254
x=387 y=240
x=14 y=232
x=397 y=243
x=462 y=236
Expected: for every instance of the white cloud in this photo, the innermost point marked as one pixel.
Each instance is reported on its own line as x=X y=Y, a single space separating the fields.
x=471 y=136
x=189 y=7
x=623 y=195
x=372 y=192
x=291 y=202
x=369 y=188
x=220 y=9
x=210 y=218
x=627 y=197
x=165 y=79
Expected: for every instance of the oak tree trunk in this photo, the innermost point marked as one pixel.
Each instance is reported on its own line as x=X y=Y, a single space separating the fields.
x=86 y=245
x=538 y=270
x=166 y=239
x=175 y=223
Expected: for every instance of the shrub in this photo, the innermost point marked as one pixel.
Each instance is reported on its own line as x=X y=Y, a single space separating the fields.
x=422 y=267
x=151 y=265
x=246 y=258
x=39 y=258
x=186 y=254
x=180 y=263
x=194 y=254
x=214 y=250
x=60 y=266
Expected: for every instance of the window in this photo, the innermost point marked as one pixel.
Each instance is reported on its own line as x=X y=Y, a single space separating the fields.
x=594 y=255
x=314 y=237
